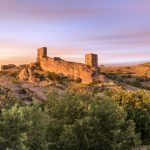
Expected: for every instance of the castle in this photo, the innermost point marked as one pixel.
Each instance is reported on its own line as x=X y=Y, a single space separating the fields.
x=88 y=72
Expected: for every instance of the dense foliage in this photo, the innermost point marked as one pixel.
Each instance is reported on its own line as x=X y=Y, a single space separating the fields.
x=23 y=128
x=137 y=106
x=82 y=122
x=67 y=121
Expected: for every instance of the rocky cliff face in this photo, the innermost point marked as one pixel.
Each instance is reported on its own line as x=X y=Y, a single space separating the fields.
x=27 y=73
x=75 y=70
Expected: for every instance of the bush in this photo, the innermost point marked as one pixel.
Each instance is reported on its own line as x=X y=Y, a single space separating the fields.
x=22 y=128
x=137 y=106
x=111 y=75
x=83 y=122
x=129 y=76
x=59 y=78
x=67 y=121
x=119 y=80
x=147 y=79
x=124 y=76
x=40 y=76
x=136 y=84
x=140 y=79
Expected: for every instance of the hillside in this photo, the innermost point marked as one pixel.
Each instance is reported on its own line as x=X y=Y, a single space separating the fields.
x=138 y=75
x=52 y=101
x=33 y=81
x=28 y=82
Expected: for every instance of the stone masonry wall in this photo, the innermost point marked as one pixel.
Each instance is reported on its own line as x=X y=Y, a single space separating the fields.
x=42 y=53
x=76 y=70
x=91 y=60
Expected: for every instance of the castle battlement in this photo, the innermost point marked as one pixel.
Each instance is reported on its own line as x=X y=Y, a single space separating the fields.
x=87 y=72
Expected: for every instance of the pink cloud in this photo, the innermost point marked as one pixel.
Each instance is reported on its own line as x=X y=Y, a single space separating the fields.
x=130 y=54
x=48 y=10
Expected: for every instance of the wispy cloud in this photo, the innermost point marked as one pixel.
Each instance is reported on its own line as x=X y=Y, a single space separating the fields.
x=121 y=39
x=115 y=29
x=49 y=9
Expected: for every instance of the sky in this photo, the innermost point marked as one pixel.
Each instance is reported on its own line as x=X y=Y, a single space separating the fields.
x=117 y=30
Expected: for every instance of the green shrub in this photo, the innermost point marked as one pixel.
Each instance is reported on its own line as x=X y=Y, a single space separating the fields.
x=147 y=79
x=140 y=79
x=137 y=105
x=59 y=78
x=111 y=75
x=130 y=73
x=127 y=82
x=40 y=76
x=137 y=84
x=129 y=76
x=23 y=128
x=81 y=122
x=119 y=80
x=124 y=76
x=67 y=121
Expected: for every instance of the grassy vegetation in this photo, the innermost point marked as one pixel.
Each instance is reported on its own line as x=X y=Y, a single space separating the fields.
x=77 y=119
x=123 y=78
x=137 y=106
x=54 y=77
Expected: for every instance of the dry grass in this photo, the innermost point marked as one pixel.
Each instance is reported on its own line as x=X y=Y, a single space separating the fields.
x=138 y=75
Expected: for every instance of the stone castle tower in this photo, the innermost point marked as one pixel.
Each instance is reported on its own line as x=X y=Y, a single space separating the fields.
x=42 y=53
x=71 y=69
x=91 y=60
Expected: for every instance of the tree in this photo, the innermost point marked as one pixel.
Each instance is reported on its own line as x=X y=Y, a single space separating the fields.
x=22 y=128
x=81 y=122
x=137 y=106
x=67 y=121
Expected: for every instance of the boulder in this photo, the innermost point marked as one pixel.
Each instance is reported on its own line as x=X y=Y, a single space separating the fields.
x=32 y=77
x=24 y=74
x=27 y=74
x=33 y=66
x=22 y=66
x=103 y=79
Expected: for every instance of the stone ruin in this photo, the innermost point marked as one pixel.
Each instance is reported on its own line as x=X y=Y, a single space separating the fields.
x=6 y=67
x=88 y=72
x=91 y=60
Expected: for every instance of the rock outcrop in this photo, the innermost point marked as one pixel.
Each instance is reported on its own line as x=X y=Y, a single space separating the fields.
x=86 y=73
x=27 y=73
x=74 y=70
x=103 y=79
x=6 y=67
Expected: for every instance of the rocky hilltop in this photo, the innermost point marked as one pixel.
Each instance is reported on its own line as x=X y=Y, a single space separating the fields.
x=33 y=81
x=29 y=81
x=87 y=73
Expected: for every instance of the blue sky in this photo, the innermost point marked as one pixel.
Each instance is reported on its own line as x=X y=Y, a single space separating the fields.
x=117 y=30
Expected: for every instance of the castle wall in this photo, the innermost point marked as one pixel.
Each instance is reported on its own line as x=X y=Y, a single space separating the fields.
x=76 y=70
